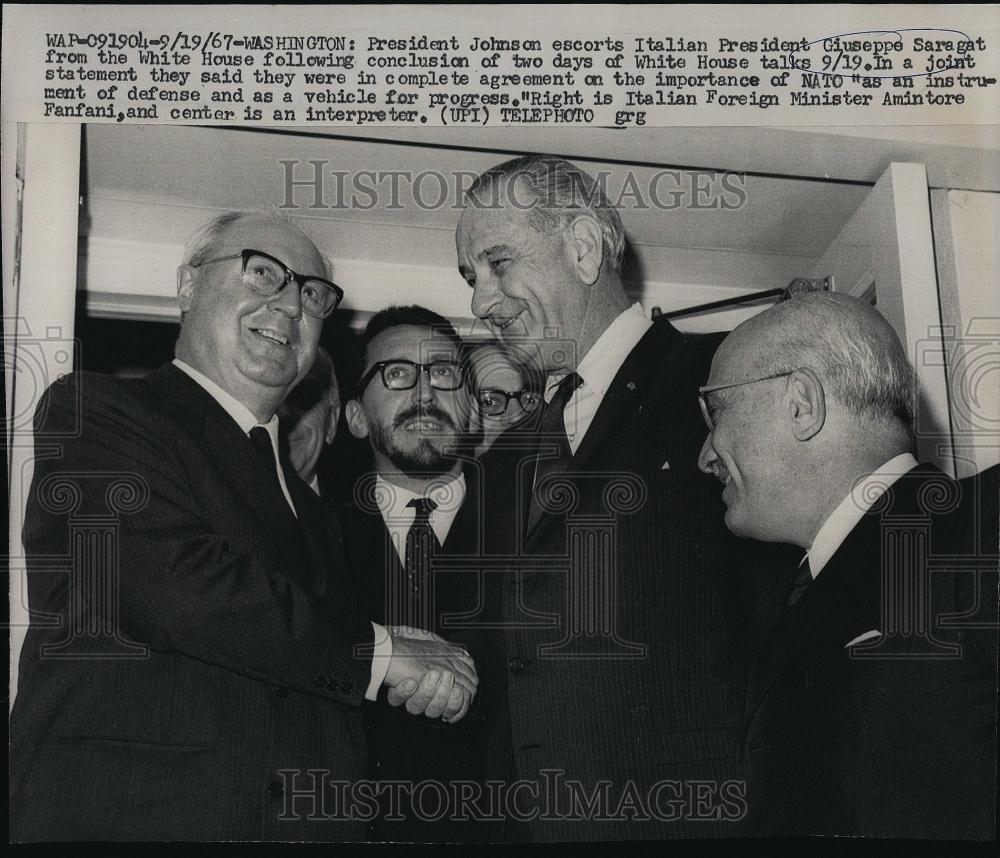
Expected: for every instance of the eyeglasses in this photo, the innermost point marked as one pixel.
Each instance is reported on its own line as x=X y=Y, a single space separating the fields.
x=267 y=276
x=403 y=374
x=704 y=391
x=493 y=403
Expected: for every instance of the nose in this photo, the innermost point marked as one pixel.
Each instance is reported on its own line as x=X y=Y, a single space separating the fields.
x=422 y=391
x=707 y=457
x=288 y=300
x=485 y=296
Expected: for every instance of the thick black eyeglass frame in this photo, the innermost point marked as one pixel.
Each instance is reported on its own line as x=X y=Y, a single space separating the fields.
x=380 y=366
x=300 y=279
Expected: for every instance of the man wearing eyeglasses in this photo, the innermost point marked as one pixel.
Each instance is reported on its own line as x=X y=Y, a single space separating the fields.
x=202 y=660
x=871 y=709
x=506 y=392
x=414 y=511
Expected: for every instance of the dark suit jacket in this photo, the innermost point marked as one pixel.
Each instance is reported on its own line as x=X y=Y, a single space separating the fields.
x=402 y=747
x=895 y=738
x=628 y=615
x=192 y=645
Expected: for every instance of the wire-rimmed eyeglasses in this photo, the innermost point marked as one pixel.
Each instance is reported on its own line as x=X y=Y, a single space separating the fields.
x=704 y=391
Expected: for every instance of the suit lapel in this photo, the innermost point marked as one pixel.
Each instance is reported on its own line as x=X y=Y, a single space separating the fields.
x=627 y=388
x=233 y=453
x=829 y=607
x=626 y=391
x=847 y=595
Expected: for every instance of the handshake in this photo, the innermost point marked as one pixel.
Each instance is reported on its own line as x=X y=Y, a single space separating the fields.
x=430 y=675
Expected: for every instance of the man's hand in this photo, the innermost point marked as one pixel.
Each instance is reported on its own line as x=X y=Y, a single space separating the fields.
x=430 y=675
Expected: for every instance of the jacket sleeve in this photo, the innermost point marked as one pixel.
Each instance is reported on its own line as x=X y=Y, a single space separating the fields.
x=172 y=581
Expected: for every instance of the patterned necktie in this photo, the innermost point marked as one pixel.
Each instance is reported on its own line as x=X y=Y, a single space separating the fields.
x=420 y=540
x=552 y=428
x=261 y=441
x=803 y=579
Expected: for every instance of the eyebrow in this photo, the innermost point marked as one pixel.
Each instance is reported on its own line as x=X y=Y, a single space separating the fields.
x=485 y=252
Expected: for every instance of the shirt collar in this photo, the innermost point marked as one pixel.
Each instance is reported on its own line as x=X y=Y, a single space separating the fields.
x=243 y=416
x=446 y=491
x=852 y=508
x=600 y=365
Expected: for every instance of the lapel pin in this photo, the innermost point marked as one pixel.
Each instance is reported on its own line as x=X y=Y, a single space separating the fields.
x=630 y=386
x=665 y=466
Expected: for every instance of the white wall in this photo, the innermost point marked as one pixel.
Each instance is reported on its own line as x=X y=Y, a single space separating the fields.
x=967 y=247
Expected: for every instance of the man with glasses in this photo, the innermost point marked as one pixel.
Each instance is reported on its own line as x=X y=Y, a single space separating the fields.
x=871 y=709
x=506 y=392
x=198 y=655
x=417 y=508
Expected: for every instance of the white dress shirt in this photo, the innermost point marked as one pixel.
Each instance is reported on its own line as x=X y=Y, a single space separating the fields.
x=447 y=492
x=243 y=416
x=246 y=420
x=850 y=511
x=598 y=369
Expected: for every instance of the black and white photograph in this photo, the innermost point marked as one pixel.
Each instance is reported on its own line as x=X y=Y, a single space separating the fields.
x=495 y=480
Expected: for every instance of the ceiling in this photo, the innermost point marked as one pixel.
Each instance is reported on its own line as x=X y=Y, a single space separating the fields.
x=381 y=184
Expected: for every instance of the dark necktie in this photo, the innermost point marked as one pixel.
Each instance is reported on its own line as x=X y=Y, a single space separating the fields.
x=261 y=441
x=803 y=579
x=419 y=541
x=552 y=427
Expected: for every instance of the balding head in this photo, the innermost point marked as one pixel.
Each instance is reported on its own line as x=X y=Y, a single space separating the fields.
x=804 y=399
x=846 y=341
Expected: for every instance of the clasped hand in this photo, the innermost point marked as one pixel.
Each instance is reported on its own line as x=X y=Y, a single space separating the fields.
x=429 y=675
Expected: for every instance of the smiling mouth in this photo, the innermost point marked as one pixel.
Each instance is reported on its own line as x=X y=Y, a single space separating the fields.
x=273 y=336
x=502 y=326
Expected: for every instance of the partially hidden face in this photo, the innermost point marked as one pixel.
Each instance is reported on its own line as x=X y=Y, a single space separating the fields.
x=311 y=411
x=412 y=430
x=497 y=376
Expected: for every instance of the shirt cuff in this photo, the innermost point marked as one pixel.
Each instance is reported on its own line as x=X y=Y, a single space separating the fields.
x=380 y=660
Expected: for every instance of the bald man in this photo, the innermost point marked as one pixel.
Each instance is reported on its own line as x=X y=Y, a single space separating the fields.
x=872 y=705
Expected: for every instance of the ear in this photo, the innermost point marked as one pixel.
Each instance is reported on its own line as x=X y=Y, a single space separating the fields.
x=806 y=404
x=587 y=248
x=185 y=287
x=331 y=424
x=356 y=420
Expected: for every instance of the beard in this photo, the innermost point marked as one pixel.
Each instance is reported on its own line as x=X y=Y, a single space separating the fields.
x=424 y=458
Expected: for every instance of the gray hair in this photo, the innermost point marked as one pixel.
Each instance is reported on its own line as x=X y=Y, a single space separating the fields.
x=849 y=345
x=204 y=241
x=559 y=191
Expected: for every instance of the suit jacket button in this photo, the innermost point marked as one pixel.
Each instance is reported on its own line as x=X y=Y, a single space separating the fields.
x=516 y=665
x=346 y=688
x=282 y=692
x=276 y=789
x=319 y=680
